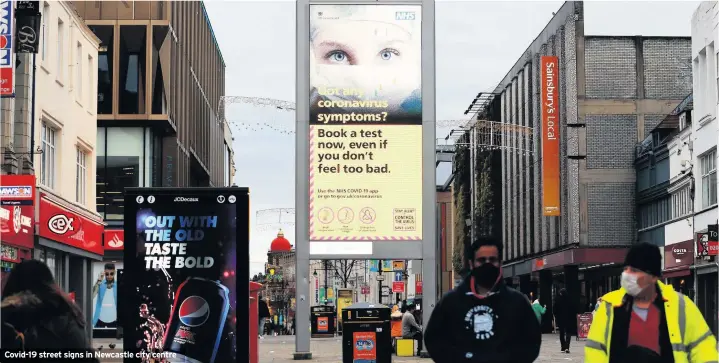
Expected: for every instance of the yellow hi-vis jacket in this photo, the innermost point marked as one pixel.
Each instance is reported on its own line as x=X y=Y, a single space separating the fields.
x=689 y=335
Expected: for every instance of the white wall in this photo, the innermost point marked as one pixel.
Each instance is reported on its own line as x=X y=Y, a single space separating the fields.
x=704 y=124
x=66 y=94
x=679 y=151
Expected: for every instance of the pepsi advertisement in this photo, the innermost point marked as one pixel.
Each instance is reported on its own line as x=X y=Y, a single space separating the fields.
x=183 y=296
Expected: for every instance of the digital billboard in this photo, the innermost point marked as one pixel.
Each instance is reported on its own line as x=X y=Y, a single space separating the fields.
x=182 y=289
x=365 y=177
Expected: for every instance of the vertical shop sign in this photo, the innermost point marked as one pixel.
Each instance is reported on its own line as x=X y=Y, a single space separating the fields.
x=549 y=71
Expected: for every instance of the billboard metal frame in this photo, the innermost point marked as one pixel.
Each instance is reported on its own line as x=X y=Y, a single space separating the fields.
x=425 y=249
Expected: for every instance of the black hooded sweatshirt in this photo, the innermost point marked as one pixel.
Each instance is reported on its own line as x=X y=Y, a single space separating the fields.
x=499 y=328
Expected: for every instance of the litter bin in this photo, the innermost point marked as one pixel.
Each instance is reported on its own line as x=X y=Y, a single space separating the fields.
x=322 y=321
x=254 y=321
x=366 y=335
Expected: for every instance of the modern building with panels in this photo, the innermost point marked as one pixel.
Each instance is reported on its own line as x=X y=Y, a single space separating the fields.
x=160 y=80
x=612 y=91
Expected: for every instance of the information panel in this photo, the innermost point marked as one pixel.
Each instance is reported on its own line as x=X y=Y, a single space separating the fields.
x=182 y=284
x=365 y=176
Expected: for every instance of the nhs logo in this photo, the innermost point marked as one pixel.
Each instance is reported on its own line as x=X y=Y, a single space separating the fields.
x=405 y=15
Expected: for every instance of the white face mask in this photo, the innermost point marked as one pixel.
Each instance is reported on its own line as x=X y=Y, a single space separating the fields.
x=629 y=283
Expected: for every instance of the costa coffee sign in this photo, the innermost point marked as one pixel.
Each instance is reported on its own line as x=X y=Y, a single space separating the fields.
x=62 y=225
x=679 y=254
x=114 y=240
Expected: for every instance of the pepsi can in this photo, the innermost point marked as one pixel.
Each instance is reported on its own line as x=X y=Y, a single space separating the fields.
x=197 y=321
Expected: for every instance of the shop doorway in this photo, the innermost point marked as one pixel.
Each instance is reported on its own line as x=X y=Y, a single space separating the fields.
x=707 y=285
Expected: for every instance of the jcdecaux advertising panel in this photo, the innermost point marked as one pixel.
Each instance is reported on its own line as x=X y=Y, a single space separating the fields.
x=182 y=282
x=365 y=123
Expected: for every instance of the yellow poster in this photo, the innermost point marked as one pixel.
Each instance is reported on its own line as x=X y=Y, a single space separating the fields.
x=365 y=123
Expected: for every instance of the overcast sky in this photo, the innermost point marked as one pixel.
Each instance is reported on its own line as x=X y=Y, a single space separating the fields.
x=477 y=43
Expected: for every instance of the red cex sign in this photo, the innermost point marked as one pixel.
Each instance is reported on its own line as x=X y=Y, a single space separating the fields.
x=114 y=240
x=61 y=225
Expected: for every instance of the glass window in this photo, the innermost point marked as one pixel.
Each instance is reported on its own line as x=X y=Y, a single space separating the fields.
x=50 y=261
x=707 y=164
x=81 y=176
x=104 y=68
x=123 y=161
x=160 y=42
x=643 y=179
x=132 y=69
x=47 y=157
x=60 y=71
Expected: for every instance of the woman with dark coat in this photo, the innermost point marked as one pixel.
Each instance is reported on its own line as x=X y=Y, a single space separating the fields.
x=38 y=316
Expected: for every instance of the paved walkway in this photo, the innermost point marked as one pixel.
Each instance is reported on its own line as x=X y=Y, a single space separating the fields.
x=279 y=350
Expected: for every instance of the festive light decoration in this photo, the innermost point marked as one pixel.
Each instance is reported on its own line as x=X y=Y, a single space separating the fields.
x=488 y=134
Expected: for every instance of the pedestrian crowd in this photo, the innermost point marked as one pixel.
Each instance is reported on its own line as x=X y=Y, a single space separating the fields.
x=645 y=321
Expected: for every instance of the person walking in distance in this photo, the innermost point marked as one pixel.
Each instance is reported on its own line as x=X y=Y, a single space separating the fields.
x=263 y=312
x=539 y=310
x=647 y=321
x=410 y=328
x=564 y=317
x=483 y=319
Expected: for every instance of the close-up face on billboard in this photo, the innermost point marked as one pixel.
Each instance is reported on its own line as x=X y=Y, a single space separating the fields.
x=365 y=64
x=365 y=122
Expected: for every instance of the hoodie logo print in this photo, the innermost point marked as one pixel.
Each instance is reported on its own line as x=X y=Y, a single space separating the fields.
x=480 y=320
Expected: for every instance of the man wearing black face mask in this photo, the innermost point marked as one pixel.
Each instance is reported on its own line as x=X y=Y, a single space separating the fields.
x=483 y=320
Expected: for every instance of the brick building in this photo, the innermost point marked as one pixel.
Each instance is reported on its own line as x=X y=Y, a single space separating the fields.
x=612 y=91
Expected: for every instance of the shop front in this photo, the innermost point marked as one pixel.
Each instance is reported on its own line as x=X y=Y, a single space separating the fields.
x=17 y=194
x=107 y=274
x=706 y=269
x=586 y=273
x=69 y=241
x=678 y=260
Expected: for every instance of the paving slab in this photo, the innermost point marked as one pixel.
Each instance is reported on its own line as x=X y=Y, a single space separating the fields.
x=279 y=349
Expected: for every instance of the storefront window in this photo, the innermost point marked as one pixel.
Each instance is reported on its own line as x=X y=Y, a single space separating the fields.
x=124 y=161
x=54 y=261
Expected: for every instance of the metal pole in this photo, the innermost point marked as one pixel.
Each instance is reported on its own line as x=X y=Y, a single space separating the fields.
x=32 y=112
x=325 y=302
x=473 y=158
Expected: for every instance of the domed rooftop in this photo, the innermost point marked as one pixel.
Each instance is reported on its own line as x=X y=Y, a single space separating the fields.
x=280 y=244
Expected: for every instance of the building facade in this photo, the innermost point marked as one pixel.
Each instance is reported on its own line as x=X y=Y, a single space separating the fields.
x=704 y=155
x=65 y=142
x=611 y=92
x=160 y=80
x=678 y=229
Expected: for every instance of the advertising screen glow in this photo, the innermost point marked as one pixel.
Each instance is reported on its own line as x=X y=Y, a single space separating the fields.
x=365 y=123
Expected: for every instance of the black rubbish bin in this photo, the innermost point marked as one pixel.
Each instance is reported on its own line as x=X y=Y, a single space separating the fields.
x=366 y=335
x=322 y=321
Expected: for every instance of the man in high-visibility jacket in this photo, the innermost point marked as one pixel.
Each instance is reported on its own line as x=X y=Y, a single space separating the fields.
x=647 y=321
